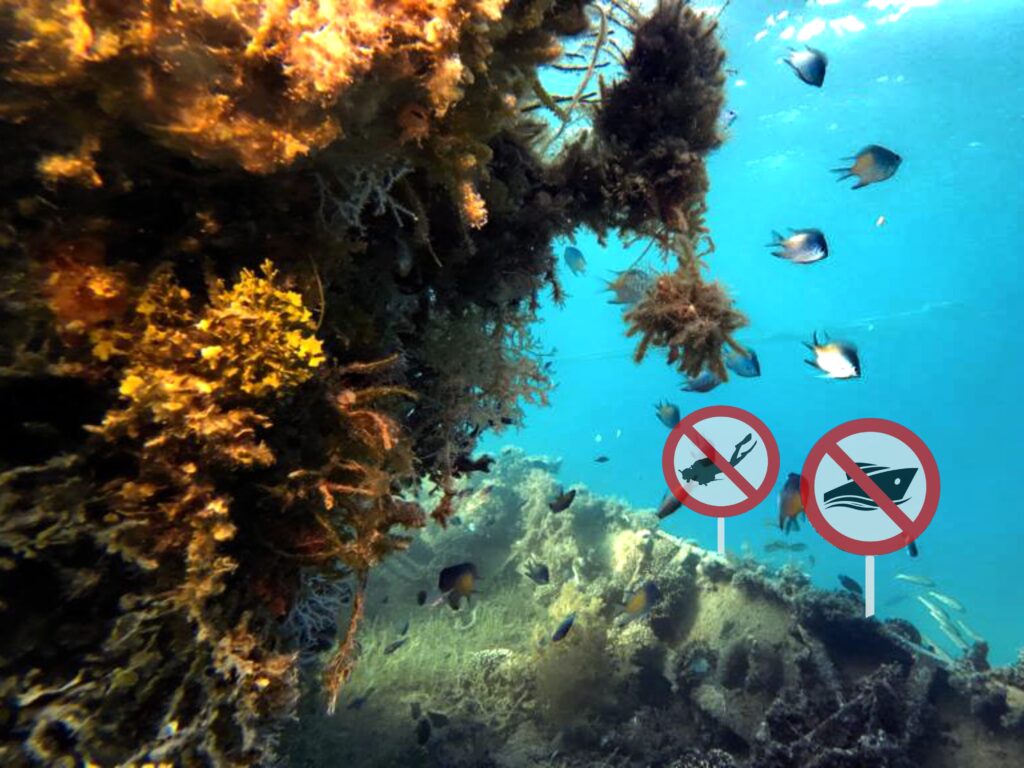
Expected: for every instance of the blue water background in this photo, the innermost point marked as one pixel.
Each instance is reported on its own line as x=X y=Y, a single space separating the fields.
x=932 y=298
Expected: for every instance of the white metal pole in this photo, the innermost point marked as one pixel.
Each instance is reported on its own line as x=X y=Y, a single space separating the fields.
x=721 y=536
x=869 y=586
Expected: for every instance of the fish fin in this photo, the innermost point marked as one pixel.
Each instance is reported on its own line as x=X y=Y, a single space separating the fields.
x=812 y=364
x=844 y=173
x=777 y=239
x=780 y=255
x=860 y=184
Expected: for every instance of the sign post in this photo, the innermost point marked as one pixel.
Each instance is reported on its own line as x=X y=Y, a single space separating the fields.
x=870 y=487
x=720 y=461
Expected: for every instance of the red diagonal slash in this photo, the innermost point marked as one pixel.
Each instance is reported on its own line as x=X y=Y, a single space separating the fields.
x=870 y=487
x=705 y=447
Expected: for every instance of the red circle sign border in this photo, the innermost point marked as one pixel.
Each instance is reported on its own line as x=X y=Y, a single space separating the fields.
x=712 y=411
x=885 y=427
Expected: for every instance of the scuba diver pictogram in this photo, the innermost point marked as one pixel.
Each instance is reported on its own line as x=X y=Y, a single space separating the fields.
x=703 y=471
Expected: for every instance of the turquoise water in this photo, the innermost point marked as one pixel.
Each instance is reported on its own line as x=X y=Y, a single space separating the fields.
x=932 y=298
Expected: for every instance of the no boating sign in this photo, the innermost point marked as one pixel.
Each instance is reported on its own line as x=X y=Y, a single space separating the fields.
x=870 y=486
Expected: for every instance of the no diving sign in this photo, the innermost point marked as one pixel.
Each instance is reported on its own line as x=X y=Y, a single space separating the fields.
x=870 y=486
x=720 y=461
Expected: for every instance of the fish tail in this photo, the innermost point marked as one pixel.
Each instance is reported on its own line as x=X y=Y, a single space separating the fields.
x=844 y=173
x=776 y=239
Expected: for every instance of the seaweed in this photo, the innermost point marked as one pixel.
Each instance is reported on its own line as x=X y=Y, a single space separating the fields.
x=270 y=270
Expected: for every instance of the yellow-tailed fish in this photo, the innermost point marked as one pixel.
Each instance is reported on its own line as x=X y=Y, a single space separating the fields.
x=871 y=165
x=836 y=359
x=791 y=505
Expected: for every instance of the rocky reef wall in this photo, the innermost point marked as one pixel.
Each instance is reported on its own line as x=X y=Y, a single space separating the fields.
x=269 y=270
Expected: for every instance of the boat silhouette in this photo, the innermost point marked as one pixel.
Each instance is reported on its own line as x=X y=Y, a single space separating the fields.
x=893 y=483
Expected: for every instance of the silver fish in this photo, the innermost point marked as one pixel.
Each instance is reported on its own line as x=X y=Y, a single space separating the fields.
x=949 y=602
x=968 y=633
x=921 y=581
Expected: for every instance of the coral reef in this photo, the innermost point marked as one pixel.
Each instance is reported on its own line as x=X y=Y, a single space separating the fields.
x=270 y=272
x=736 y=666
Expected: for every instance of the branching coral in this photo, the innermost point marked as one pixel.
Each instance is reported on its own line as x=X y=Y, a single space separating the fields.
x=692 y=319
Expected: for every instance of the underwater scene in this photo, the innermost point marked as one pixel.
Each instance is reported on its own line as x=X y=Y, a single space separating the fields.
x=511 y=383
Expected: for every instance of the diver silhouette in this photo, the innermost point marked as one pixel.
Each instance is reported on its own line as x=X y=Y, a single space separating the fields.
x=703 y=471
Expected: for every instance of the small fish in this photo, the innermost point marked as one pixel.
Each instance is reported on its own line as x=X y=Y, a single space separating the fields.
x=562 y=501
x=969 y=633
x=871 y=165
x=727 y=118
x=464 y=464
x=538 y=573
x=403 y=259
x=395 y=645
x=951 y=631
x=784 y=546
x=669 y=504
x=643 y=600
x=629 y=286
x=668 y=413
x=809 y=65
x=743 y=364
x=949 y=602
x=880 y=221
x=438 y=719
x=358 y=702
x=912 y=549
x=169 y=729
x=563 y=628
x=602 y=459
x=921 y=581
x=423 y=731
x=937 y=613
x=456 y=582
x=415 y=709
x=803 y=246
x=896 y=599
x=850 y=585
x=421 y=597
x=704 y=382
x=455 y=520
x=404 y=630
x=836 y=359
x=574 y=259
x=791 y=505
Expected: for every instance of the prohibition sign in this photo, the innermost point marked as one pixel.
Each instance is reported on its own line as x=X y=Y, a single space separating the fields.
x=691 y=428
x=903 y=527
